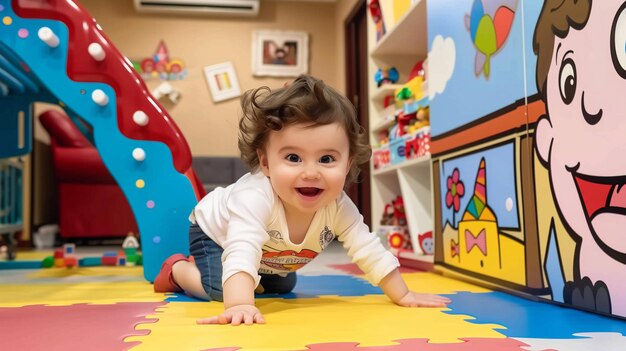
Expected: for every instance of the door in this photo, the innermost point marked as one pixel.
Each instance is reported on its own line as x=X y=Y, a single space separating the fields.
x=356 y=90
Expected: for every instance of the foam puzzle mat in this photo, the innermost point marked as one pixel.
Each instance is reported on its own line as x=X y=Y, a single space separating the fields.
x=334 y=309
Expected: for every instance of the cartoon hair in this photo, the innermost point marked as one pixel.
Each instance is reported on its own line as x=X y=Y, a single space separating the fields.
x=307 y=100
x=555 y=19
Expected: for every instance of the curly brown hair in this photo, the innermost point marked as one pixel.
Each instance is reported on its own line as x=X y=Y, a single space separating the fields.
x=307 y=100
x=556 y=19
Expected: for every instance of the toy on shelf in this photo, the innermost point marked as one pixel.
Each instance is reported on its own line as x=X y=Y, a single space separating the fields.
x=394 y=225
x=422 y=119
x=418 y=137
x=386 y=76
x=396 y=146
x=389 y=103
x=383 y=137
x=419 y=70
x=381 y=157
x=377 y=16
x=427 y=243
x=400 y=239
x=412 y=137
x=394 y=213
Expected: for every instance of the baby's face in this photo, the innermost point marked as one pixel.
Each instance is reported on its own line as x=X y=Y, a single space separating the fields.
x=307 y=166
x=584 y=140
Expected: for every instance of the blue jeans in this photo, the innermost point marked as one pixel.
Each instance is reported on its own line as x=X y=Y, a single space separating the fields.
x=208 y=256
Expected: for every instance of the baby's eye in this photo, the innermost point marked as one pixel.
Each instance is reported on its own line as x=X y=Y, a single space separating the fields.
x=326 y=159
x=293 y=158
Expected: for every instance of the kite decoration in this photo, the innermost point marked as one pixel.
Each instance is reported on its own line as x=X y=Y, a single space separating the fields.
x=489 y=24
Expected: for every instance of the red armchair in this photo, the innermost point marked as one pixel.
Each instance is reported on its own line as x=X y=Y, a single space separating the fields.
x=90 y=203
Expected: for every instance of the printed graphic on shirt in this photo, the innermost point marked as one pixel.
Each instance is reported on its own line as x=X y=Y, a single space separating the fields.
x=275 y=236
x=326 y=236
x=274 y=262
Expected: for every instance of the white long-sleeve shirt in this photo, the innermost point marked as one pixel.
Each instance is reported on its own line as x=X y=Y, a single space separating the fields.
x=247 y=219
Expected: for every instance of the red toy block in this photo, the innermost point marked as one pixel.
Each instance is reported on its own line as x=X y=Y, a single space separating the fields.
x=109 y=260
x=58 y=253
x=71 y=261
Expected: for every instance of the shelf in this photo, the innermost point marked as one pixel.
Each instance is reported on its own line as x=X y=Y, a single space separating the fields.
x=409 y=255
x=384 y=125
x=415 y=260
x=412 y=25
x=402 y=47
x=423 y=161
x=384 y=90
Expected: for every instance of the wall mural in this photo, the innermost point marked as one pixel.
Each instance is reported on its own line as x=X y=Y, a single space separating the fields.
x=528 y=188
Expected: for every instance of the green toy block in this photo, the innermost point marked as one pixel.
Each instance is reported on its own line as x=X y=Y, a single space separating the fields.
x=48 y=262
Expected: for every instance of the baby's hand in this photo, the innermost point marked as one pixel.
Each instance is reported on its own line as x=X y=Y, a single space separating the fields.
x=235 y=315
x=413 y=299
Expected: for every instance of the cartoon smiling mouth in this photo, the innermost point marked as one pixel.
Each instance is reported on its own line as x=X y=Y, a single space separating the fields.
x=604 y=201
x=309 y=192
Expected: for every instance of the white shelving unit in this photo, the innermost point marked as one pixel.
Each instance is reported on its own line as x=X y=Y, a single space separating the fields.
x=404 y=44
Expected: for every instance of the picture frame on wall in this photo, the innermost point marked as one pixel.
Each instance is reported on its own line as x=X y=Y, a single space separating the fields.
x=280 y=53
x=222 y=81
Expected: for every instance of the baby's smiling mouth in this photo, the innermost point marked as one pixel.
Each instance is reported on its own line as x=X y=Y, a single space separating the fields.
x=309 y=191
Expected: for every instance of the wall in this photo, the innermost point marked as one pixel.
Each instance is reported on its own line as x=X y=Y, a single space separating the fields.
x=211 y=129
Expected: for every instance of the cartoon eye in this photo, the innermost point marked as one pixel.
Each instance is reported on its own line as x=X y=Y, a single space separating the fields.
x=567 y=80
x=618 y=41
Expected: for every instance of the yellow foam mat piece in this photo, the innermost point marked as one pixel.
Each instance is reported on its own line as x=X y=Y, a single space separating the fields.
x=114 y=271
x=438 y=284
x=294 y=323
x=63 y=294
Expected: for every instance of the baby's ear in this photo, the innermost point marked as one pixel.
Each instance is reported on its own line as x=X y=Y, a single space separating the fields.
x=544 y=138
x=263 y=165
x=349 y=165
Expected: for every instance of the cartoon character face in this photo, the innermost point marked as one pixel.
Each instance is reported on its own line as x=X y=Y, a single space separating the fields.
x=427 y=243
x=583 y=139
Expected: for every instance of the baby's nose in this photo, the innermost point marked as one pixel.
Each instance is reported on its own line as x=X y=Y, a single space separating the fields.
x=311 y=172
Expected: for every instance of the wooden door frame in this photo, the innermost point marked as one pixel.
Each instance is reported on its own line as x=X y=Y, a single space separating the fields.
x=356 y=83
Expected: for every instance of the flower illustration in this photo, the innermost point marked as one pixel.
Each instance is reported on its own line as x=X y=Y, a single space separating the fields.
x=456 y=190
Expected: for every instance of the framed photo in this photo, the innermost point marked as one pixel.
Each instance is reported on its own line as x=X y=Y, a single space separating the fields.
x=280 y=53
x=222 y=81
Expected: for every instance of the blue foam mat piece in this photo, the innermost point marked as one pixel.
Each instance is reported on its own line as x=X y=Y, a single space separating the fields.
x=524 y=318
x=312 y=287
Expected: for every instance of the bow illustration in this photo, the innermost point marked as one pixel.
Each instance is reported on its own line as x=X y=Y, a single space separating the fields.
x=454 y=248
x=479 y=241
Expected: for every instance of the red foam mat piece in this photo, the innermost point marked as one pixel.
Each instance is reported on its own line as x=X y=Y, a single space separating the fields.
x=74 y=327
